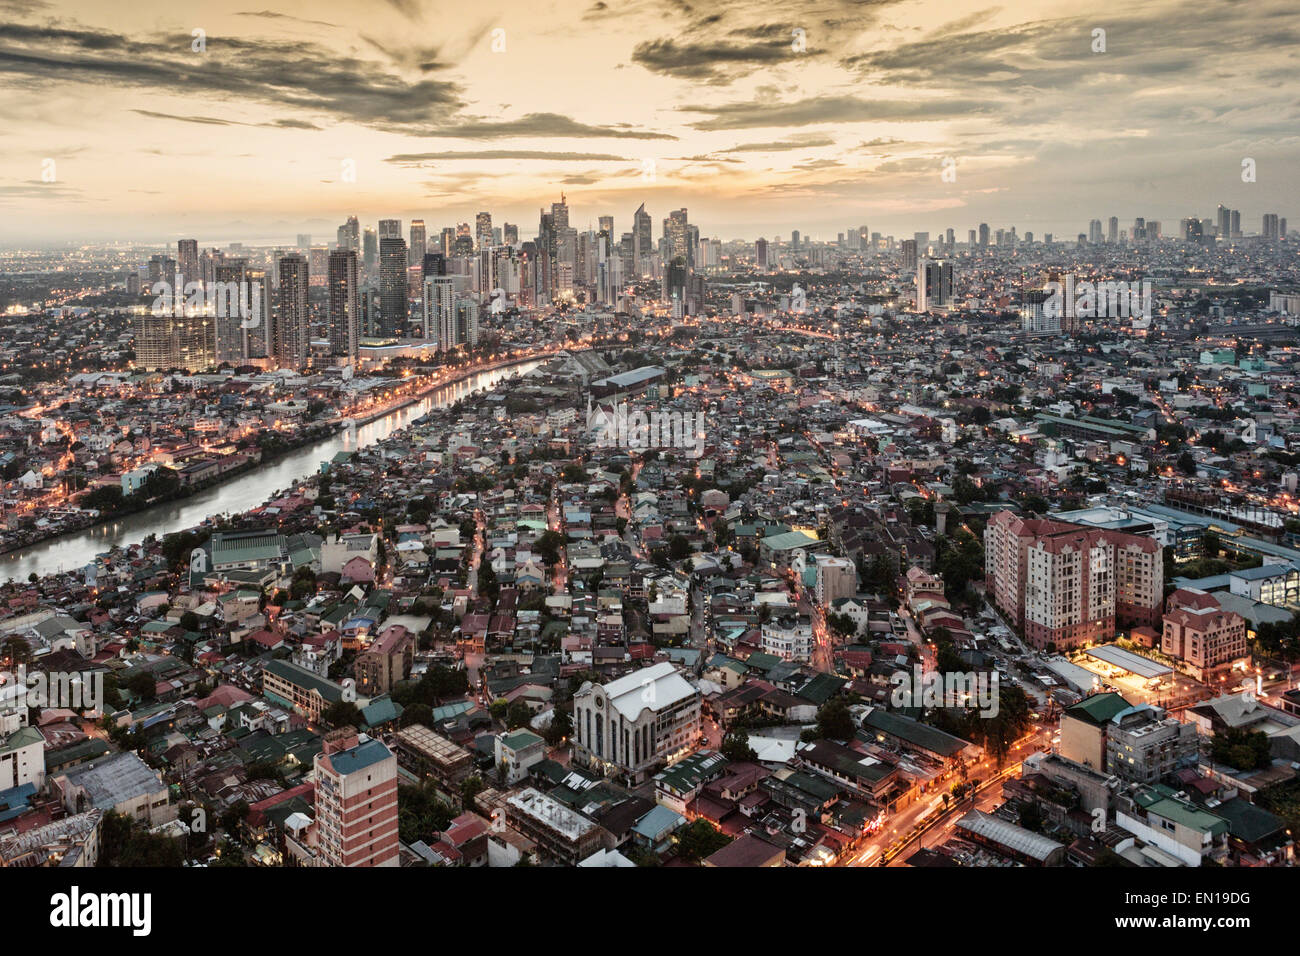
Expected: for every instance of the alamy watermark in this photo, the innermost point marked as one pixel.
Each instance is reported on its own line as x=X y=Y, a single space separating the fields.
x=955 y=689
x=637 y=430
x=1102 y=300
x=242 y=300
x=71 y=690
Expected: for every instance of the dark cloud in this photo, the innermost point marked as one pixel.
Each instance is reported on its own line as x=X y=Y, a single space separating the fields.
x=541 y=125
x=760 y=114
x=717 y=61
x=777 y=146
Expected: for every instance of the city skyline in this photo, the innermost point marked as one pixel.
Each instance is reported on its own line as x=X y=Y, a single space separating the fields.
x=900 y=115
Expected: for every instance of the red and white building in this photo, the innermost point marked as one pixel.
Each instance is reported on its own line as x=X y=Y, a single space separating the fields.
x=1068 y=585
x=356 y=802
x=1200 y=633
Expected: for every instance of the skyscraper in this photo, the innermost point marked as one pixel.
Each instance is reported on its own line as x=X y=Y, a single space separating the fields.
x=483 y=230
x=371 y=249
x=1112 y=230
x=439 y=308
x=394 y=303
x=909 y=255
x=417 y=247
x=1094 y=232
x=510 y=234
x=642 y=241
x=349 y=235
x=1271 y=227
x=389 y=228
x=344 y=304
x=934 y=284
x=760 y=253
x=290 y=338
x=187 y=263
x=984 y=235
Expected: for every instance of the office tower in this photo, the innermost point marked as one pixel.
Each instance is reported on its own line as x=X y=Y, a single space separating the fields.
x=483 y=230
x=950 y=240
x=187 y=263
x=232 y=296
x=1192 y=230
x=675 y=227
x=1029 y=238
x=1271 y=228
x=344 y=304
x=290 y=338
x=1281 y=228
x=1066 y=584
x=933 y=284
x=970 y=238
x=606 y=225
x=438 y=306
x=909 y=255
x=390 y=228
x=356 y=802
x=417 y=247
x=760 y=253
x=794 y=239
x=467 y=322
x=675 y=282
x=304 y=241
x=371 y=249
x=642 y=242
x=1094 y=232
x=510 y=234
x=435 y=264
x=984 y=235
x=1234 y=224
x=1223 y=221
x=349 y=235
x=318 y=266
x=393 y=293
x=922 y=240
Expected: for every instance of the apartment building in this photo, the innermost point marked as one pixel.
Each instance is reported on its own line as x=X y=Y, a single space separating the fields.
x=1199 y=632
x=387 y=661
x=356 y=802
x=1066 y=585
x=291 y=685
x=789 y=637
x=634 y=724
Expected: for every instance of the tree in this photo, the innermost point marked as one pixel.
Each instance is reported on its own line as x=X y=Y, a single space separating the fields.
x=735 y=746
x=518 y=714
x=834 y=722
x=699 y=839
x=560 y=727
x=344 y=713
x=841 y=624
x=678 y=547
x=1241 y=749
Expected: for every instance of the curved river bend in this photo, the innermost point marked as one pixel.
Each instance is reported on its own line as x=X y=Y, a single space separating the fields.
x=77 y=549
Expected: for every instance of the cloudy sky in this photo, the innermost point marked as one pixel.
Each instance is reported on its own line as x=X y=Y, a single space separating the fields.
x=116 y=120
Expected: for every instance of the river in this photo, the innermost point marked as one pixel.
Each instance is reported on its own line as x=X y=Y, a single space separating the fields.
x=249 y=490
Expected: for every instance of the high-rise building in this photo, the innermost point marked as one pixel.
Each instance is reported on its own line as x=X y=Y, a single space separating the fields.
x=984 y=235
x=344 y=303
x=642 y=241
x=349 y=235
x=510 y=234
x=483 y=230
x=1271 y=229
x=760 y=254
x=234 y=294
x=187 y=263
x=417 y=248
x=1112 y=230
x=167 y=339
x=390 y=228
x=304 y=241
x=1234 y=224
x=290 y=339
x=439 y=304
x=1094 y=232
x=356 y=802
x=1067 y=584
x=394 y=305
x=909 y=255
x=1224 y=221
x=466 y=322
x=370 y=249
x=934 y=284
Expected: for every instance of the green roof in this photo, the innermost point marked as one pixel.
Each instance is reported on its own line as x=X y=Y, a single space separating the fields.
x=1099 y=708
